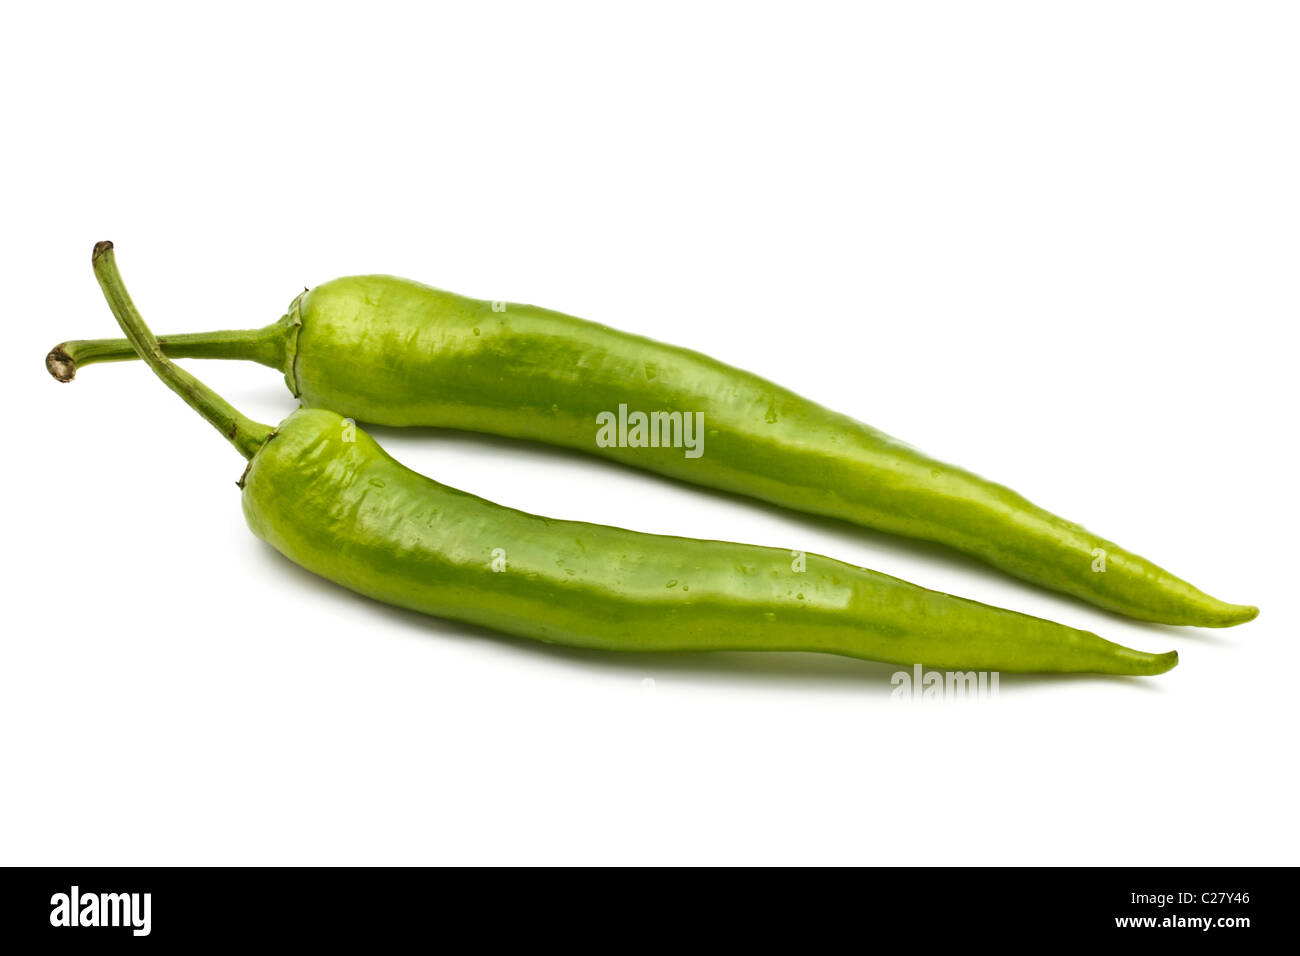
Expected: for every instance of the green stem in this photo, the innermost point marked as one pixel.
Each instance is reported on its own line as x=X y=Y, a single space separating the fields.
x=266 y=346
x=244 y=433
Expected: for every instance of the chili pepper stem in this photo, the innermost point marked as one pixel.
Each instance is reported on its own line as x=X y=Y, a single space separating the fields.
x=266 y=346
x=245 y=434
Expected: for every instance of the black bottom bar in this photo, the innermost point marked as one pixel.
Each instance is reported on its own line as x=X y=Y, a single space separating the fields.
x=213 y=906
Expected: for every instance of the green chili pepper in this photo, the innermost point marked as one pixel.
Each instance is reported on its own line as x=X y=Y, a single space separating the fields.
x=328 y=497
x=394 y=352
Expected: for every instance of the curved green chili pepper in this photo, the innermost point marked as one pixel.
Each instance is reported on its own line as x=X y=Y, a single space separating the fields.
x=329 y=498
x=395 y=352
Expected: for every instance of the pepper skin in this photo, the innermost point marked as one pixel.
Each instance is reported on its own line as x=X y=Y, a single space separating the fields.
x=395 y=352
x=328 y=497
x=350 y=513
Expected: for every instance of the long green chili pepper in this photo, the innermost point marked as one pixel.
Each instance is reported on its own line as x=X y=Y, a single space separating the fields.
x=394 y=352
x=328 y=497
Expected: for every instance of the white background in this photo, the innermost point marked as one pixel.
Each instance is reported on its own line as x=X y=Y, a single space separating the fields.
x=1056 y=244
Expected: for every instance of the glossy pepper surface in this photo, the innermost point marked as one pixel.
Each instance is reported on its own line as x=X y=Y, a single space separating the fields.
x=395 y=352
x=326 y=495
